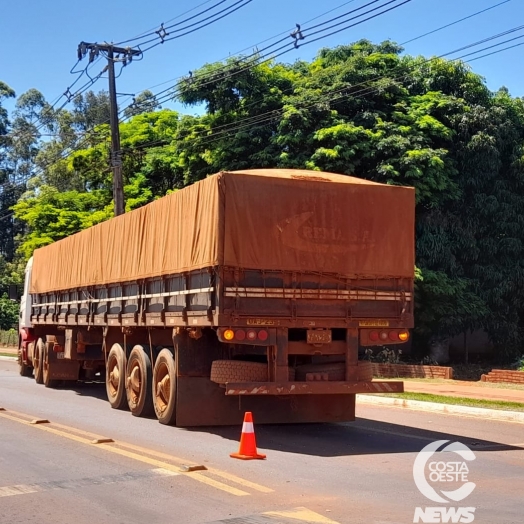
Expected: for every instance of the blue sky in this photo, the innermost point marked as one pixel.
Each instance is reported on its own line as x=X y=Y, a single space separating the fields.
x=38 y=40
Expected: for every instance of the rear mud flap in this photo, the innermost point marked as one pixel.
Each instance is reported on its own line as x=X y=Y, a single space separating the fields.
x=64 y=371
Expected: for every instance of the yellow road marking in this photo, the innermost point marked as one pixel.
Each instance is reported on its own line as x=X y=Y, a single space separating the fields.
x=302 y=514
x=20 y=489
x=21 y=415
x=175 y=469
x=216 y=472
x=119 y=449
x=139 y=458
x=219 y=485
x=48 y=429
x=241 y=481
x=153 y=453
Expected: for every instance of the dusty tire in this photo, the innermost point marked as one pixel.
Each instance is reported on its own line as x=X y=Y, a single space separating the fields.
x=48 y=382
x=24 y=369
x=223 y=371
x=116 y=377
x=164 y=388
x=365 y=371
x=138 y=383
x=38 y=361
x=335 y=370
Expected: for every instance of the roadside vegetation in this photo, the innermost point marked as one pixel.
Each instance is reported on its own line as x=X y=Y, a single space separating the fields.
x=362 y=109
x=459 y=401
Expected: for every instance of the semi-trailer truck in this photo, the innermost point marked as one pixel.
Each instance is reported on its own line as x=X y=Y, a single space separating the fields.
x=247 y=291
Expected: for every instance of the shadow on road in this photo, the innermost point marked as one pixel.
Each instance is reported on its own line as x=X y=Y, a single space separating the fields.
x=95 y=388
x=362 y=437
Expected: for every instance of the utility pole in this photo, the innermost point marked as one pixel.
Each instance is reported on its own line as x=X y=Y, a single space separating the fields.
x=125 y=56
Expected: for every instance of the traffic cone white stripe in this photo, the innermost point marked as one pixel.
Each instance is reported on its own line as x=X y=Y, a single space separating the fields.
x=247 y=427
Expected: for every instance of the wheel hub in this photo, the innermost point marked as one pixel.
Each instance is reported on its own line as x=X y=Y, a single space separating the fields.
x=114 y=376
x=162 y=394
x=134 y=379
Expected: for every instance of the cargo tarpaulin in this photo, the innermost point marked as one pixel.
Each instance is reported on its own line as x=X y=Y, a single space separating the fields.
x=272 y=220
x=179 y=232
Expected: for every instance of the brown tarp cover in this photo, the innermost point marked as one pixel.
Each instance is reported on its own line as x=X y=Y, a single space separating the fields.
x=270 y=219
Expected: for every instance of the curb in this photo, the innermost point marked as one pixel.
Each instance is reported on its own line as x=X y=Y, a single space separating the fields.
x=8 y=358
x=448 y=409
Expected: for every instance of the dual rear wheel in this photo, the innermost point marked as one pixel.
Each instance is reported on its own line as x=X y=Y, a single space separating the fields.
x=38 y=361
x=42 y=364
x=139 y=386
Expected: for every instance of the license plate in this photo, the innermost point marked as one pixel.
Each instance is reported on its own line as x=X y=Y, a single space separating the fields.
x=319 y=336
x=60 y=354
x=373 y=323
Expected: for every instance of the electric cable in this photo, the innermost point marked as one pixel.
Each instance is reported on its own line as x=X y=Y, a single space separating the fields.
x=261 y=118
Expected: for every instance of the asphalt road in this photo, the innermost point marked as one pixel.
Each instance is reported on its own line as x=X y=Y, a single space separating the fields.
x=359 y=472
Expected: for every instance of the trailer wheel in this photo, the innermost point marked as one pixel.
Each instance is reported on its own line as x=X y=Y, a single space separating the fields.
x=223 y=371
x=38 y=356
x=138 y=383
x=23 y=369
x=46 y=371
x=164 y=388
x=116 y=377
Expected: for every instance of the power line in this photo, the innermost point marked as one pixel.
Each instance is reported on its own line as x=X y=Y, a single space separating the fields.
x=69 y=96
x=439 y=29
x=164 y=27
x=492 y=46
x=170 y=20
x=455 y=22
x=87 y=47
x=260 y=119
x=166 y=33
x=496 y=52
x=299 y=39
x=264 y=118
x=488 y=39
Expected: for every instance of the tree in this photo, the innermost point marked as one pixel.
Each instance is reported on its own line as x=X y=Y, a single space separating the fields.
x=90 y=110
x=9 y=189
x=8 y=313
x=361 y=109
x=145 y=102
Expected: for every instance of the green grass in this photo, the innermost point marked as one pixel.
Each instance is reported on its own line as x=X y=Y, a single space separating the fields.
x=459 y=401
x=494 y=385
x=2 y=354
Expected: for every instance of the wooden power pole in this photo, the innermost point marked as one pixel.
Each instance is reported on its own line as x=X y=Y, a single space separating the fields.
x=123 y=55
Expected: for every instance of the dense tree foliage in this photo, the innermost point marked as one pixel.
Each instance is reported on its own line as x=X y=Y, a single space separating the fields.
x=361 y=109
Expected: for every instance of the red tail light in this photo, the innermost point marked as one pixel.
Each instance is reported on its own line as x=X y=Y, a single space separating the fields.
x=263 y=335
x=246 y=336
x=377 y=337
x=393 y=335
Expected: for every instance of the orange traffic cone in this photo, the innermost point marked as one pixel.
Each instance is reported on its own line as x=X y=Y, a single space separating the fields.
x=248 y=444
